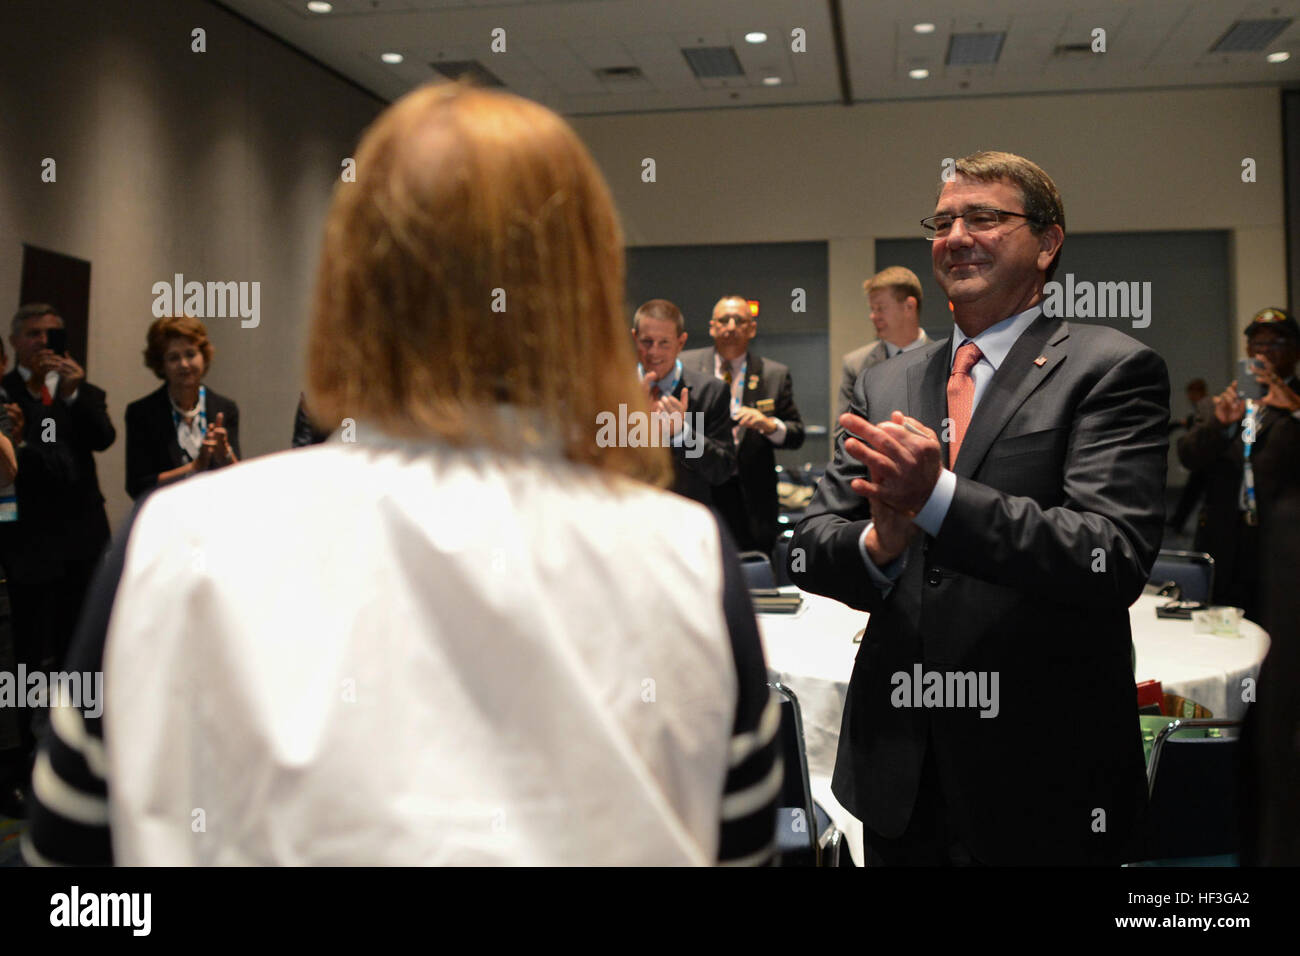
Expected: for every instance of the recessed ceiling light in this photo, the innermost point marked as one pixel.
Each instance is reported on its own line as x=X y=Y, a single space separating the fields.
x=1281 y=56
x=771 y=81
x=319 y=6
x=918 y=74
x=758 y=36
x=393 y=58
x=923 y=28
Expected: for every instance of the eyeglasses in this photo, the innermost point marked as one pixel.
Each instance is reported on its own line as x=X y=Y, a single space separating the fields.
x=1269 y=345
x=740 y=320
x=977 y=220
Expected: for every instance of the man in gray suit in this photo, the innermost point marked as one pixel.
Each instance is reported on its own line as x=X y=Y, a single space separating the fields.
x=895 y=297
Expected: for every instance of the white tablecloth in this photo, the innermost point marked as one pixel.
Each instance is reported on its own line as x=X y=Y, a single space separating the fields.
x=812 y=653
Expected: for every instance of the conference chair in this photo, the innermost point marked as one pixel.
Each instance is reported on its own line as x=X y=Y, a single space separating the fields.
x=805 y=835
x=1192 y=571
x=781 y=558
x=757 y=569
x=1192 y=783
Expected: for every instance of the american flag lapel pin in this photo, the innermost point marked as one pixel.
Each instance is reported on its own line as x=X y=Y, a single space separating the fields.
x=1040 y=361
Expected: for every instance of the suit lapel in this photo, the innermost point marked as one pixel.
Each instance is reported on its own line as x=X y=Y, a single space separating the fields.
x=167 y=428
x=1013 y=382
x=682 y=384
x=927 y=390
x=753 y=380
x=706 y=363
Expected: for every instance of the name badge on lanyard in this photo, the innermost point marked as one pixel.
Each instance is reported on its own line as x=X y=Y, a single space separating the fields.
x=8 y=504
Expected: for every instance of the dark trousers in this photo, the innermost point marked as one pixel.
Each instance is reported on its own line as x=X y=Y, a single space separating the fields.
x=730 y=502
x=1188 y=500
x=43 y=620
x=932 y=837
x=16 y=739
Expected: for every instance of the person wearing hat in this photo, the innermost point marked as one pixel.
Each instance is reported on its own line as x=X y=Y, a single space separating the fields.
x=1250 y=452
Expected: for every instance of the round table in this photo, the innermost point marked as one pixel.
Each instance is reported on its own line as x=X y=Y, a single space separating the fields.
x=812 y=653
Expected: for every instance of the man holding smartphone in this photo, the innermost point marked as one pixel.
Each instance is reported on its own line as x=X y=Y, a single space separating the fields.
x=61 y=526
x=1250 y=451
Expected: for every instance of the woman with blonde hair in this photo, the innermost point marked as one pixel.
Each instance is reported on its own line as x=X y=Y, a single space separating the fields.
x=504 y=644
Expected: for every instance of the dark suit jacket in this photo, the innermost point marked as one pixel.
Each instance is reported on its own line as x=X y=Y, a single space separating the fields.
x=715 y=459
x=1053 y=529
x=748 y=501
x=857 y=362
x=60 y=508
x=305 y=431
x=1270 y=826
x=151 y=445
x=1275 y=459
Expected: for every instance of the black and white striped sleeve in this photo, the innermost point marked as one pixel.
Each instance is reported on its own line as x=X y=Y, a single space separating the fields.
x=68 y=814
x=754 y=773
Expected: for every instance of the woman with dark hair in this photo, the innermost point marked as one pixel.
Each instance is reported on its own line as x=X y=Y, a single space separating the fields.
x=184 y=427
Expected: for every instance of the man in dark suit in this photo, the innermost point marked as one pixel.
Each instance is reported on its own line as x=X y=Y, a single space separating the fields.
x=62 y=527
x=997 y=521
x=1233 y=514
x=895 y=298
x=694 y=404
x=764 y=418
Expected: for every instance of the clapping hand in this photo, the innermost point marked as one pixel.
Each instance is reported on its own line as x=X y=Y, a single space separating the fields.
x=904 y=458
x=753 y=418
x=218 y=441
x=674 y=409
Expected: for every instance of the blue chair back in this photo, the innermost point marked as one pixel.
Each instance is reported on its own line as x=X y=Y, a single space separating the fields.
x=757 y=569
x=781 y=559
x=796 y=818
x=1192 y=571
x=1193 y=793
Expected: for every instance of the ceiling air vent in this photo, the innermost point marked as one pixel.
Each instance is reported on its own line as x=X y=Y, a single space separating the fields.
x=1246 y=36
x=974 y=49
x=471 y=70
x=713 y=62
x=619 y=74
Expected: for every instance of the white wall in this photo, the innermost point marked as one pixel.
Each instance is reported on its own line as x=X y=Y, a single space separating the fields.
x=217 y=165
x=1123 y=161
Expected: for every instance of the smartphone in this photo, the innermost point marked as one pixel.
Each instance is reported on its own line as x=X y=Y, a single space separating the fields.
x=56 y=340
x=1247 y=387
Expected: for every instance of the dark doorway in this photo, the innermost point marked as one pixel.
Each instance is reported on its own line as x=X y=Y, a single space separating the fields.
x=63 y=282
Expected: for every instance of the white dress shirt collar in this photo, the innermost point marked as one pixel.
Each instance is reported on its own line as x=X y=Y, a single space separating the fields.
x=891 y=349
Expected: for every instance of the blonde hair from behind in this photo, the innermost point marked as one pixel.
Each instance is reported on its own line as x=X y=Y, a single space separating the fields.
x=477 y=261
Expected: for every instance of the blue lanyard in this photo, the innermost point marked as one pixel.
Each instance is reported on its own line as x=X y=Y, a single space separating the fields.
x=738 y=400
x=202 y=406
x=668 y=386
x=1247 y=501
